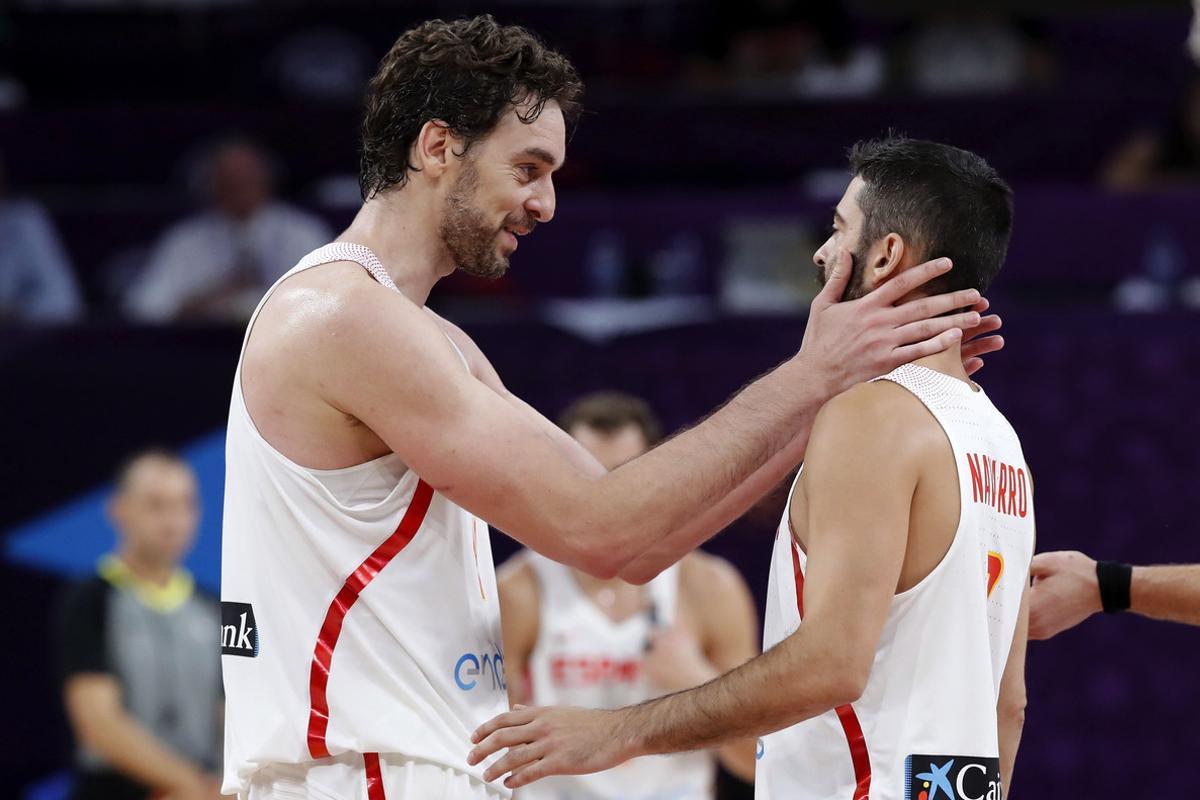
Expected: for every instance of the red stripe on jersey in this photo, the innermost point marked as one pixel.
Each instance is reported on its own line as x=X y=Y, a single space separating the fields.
x=331 y=628
x=859 y=756
x=374 y=777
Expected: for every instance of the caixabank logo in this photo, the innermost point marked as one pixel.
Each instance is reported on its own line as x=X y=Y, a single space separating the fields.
x=952 y=778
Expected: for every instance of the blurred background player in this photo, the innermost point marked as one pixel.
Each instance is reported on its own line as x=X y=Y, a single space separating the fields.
x=576 y=639
x=141 y=673
x=1069 y=586
x=896 y=613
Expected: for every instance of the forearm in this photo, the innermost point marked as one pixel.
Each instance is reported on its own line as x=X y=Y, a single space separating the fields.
x=666 y=490
x=1010 y=727
x=791 y=682
x=720 y=515
x=1167 y=592
x=132 y=750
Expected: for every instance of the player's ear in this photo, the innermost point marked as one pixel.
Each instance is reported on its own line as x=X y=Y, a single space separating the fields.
x=435 y=145
x=885 y=259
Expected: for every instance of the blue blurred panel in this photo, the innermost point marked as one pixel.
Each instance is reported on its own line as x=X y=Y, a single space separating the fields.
x=70 y=539
x=52 y=787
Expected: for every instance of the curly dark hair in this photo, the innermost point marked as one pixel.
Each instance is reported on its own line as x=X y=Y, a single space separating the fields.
x=467 y=73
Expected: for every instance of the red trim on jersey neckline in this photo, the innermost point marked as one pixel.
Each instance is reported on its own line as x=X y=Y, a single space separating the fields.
x=331 y=628
x=859 y=755
x=374 y=777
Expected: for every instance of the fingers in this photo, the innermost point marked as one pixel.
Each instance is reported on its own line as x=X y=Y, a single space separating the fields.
x=972 y=365
x=520 y=715
x=514 y=759
x=1041 y=566
x=929 y=307
x=929 y=347
x=893 y=290
x=497 y=741
x=974 y=348
x=928 y=328
x=835 y=281
x=534 y=771
x=989 y=324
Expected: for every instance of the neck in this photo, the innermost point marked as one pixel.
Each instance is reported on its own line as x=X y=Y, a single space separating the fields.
x=147 y=569
x=402 y=232
x=947 y=362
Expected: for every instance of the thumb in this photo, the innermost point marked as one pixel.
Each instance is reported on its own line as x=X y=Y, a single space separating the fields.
x=835 y=280
x=1040 y=566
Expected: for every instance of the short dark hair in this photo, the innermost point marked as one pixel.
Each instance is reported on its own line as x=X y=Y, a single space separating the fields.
x=609 y=412
x=944 y=201
x=467 y=73
x=154 y=453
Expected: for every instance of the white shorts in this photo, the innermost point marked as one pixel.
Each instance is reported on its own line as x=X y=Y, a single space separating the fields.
x=354 y=776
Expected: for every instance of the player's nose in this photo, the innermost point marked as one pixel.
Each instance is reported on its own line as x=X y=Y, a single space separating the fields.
x=541 y=204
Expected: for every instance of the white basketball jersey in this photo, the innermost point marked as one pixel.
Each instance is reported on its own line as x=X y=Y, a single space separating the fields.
x=583 y=658
x=925 y=727
x=359 y=608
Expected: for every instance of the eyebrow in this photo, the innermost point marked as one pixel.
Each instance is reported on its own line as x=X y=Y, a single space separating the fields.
x=545 y=156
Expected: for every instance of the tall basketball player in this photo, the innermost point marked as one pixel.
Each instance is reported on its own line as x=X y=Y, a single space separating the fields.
x=897 y=607
x=576 y=639
x=370 y=442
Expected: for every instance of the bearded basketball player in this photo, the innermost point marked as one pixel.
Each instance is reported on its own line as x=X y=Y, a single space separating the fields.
x=370 y=443
x=897 y=608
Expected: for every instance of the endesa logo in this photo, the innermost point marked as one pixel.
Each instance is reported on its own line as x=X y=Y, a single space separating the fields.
x=952 y=778
x=484 y=670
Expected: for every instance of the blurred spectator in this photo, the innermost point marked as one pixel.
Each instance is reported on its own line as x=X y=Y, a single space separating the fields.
x=974 y=52
x=1193 y=42
x=37 y=283
x=138 y=649
x=217 y=264
x=1170 y=154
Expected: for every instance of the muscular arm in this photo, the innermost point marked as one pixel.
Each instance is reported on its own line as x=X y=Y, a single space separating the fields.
x=386 y=363
x=857 y=525
x=1010 y=707
x=519 y=616
x=977 y=342
x=100 y=722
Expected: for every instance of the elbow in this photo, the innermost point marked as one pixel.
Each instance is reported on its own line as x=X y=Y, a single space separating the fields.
x=590 y=555
x=639 y=572
x=846 y=683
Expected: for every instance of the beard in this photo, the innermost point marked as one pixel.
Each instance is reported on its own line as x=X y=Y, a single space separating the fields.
x=465 y=231
x=855 y=287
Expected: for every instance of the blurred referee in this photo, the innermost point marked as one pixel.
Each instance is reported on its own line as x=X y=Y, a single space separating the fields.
x=137 y=648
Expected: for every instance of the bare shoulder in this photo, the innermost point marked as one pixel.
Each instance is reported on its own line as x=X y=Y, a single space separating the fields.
x=478 y=363
x=516 y=574
x=518 y=584
x=323 y=305
x=519 y=602
x=880 y=416
x=708 y=579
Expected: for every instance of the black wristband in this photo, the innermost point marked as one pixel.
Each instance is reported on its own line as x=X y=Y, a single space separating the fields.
x=1115 y=580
